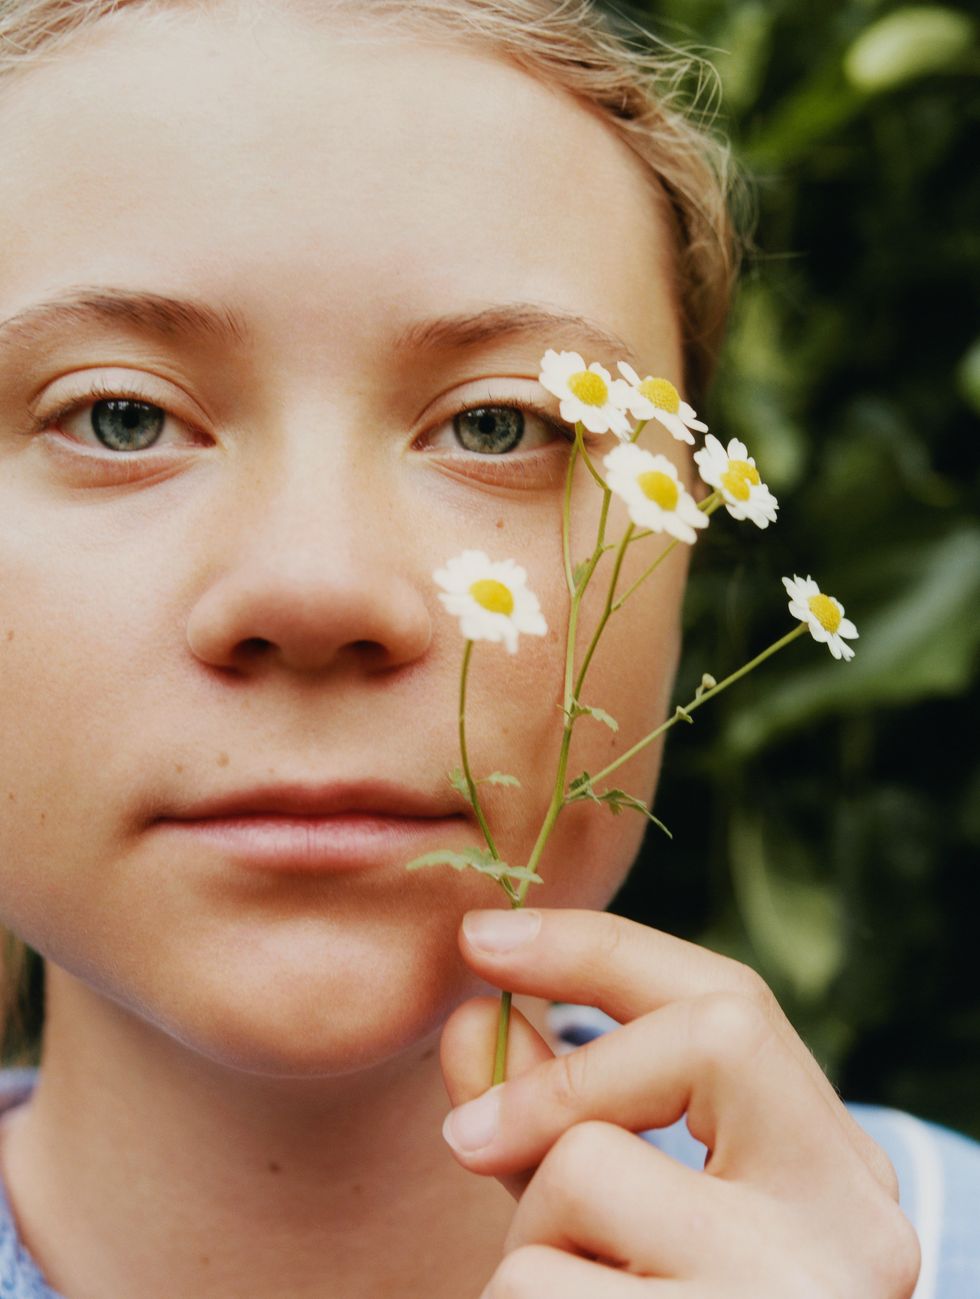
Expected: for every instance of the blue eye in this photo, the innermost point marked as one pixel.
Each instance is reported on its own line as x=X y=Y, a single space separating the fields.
x=125 y=425
x=490 y=429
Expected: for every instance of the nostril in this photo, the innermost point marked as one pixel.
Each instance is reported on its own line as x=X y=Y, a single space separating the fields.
x=254 y=647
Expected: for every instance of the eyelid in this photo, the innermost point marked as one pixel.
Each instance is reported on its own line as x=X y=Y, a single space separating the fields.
x=452 y=405
x=92 y=390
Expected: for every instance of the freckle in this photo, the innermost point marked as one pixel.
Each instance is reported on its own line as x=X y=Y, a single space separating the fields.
x=427 y=1055
x=500 y=523
x=274 y=1167
x=44 y=817
x=357 y=1189
x=10 y=634
x=222 y=759
x=178 y=767
x=205 y=1260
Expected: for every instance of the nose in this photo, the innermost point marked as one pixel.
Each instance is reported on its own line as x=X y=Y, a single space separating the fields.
x=310 y=576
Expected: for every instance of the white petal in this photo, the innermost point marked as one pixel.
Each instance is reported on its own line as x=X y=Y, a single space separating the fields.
x=628 y=373
x=674 y=424
x=848 y=629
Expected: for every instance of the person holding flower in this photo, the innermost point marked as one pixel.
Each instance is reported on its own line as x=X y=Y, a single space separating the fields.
x=278 y=285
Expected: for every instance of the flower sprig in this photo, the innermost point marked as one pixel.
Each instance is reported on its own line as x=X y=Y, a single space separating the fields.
x=493 y=602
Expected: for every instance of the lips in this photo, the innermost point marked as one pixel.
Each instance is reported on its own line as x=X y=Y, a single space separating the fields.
x=381 y=798
x=304 y=828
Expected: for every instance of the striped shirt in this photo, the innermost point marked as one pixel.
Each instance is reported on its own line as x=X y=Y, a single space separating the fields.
x=938 y=1172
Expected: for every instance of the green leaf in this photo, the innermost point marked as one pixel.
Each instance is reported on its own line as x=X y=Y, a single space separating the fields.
x=794 y=923
x=908 y=43
x=501 y=778
x=457 y=778
x=478 y=859
x=615 y=799
x=579 y=572
x=600 y=714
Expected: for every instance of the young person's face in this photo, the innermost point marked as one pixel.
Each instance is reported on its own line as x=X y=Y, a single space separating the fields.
x=249 y=598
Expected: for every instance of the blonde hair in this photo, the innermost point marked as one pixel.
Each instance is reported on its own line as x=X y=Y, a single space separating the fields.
x=647 y=91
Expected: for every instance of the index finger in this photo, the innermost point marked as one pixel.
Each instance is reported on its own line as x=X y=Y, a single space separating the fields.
x=627 y=969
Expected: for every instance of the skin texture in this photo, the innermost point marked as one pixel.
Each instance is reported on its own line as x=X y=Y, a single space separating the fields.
x=253 y=1054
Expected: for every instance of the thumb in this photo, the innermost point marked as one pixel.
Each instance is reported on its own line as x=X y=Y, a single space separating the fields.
x=466 y=1053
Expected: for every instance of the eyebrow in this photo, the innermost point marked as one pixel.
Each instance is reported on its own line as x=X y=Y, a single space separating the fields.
x=150 y=312
x=168 y=316
x=514 y=320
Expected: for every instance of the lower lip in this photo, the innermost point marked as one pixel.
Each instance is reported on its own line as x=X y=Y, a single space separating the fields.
x=349 y=841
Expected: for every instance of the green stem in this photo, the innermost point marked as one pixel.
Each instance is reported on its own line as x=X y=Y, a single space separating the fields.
x=470 y=782
x=697 y=701
x=640 y=580
x=566 y=516
x=500 y=1054
x=604 y=617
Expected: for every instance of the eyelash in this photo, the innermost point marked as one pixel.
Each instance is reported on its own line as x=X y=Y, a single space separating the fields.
x=102 y=392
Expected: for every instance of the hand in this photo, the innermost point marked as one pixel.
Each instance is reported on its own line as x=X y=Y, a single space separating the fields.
x=796 y=1200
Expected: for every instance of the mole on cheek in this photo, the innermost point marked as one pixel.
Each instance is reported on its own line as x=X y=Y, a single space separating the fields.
x=222 y=759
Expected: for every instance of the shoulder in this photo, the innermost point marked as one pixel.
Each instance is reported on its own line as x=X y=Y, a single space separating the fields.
x=938 y=1170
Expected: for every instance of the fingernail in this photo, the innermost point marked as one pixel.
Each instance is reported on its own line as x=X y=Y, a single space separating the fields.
x=472 y=1126
x=501 y=931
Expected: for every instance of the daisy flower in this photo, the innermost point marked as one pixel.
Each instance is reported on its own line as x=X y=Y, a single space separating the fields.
x=654 y=496
x=733 y=473
x=822 y=613
x=652 y=398
x=491 y=599
x=586 y=393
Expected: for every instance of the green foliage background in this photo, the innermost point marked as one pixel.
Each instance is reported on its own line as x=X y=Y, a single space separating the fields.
x=826 y=815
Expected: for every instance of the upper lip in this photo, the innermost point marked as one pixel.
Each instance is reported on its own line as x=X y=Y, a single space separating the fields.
x=384 y=798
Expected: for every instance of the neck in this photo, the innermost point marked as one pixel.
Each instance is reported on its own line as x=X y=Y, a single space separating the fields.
x=138 y=1167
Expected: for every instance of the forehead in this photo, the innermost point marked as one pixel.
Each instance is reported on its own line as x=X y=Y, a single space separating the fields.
x=287 y=166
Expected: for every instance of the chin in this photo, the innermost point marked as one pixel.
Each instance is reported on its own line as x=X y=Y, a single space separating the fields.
x=287 y=1021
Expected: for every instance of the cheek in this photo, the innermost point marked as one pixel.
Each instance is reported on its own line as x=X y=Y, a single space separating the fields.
x=630 y=677
x=74 y=659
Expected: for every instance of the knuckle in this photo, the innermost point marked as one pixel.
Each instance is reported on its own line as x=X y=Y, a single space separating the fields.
x=729 y=1029
x=570 y=1079
x=608 y=936
x=747 y=982
x=897 y=1259
x=565 y=1173
x=522 y=1274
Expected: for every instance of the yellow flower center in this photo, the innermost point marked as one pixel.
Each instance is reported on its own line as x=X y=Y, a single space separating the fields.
x=659 y=488
x=744 y=470
x=492 y=596
x=736 y=485
x=662 y=393
x=825 y=611
x=589 y=387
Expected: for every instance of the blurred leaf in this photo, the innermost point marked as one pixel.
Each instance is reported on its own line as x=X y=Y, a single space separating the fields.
x=794 y=924
x=908 y=43
x=745 y=42
x=822 y=104
x=922 y=642
x=968 y=376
